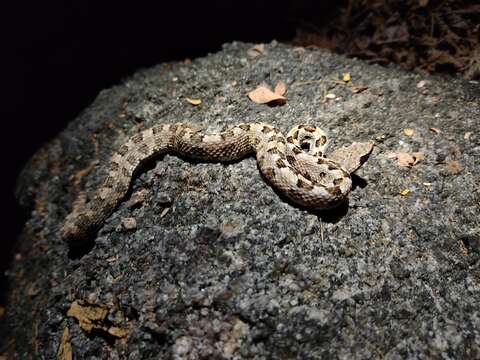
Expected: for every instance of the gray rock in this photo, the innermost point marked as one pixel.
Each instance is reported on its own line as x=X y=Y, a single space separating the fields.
x=219 y=266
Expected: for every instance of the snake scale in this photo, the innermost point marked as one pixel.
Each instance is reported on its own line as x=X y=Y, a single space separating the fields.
x=294 y=164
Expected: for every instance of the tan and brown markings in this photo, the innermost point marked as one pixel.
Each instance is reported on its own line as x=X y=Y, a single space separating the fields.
x=294 y=164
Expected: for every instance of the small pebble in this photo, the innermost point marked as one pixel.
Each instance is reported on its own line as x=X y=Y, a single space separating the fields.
x=129 y=223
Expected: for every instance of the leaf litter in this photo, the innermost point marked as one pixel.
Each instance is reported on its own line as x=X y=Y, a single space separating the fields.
x=263 y=95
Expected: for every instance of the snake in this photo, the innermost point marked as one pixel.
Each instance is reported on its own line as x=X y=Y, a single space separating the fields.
x=295 y=165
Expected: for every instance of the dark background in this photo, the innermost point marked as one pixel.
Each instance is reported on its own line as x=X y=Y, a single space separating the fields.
x=57 y=56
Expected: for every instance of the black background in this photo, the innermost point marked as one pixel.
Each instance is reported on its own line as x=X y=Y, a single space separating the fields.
x=57 y=56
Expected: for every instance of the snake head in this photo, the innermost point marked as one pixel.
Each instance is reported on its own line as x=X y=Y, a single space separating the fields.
x=353 y=156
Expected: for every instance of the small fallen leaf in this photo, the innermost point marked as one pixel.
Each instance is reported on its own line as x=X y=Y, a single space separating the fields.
x=330 y=96
x=403 y=159
x=421 y=84
x=257 y=50
x=227 y=228
x=93 y=317
x=118 y=332
x=356 y=89
x=259 y=47
x=467 y=135
x=280 y=88
x=263 y=95
x=463 y=248
x=129 y=223
x=453 y=166
x=346 y=77
x=405 y=192
x=88 y=316
x=427 y=184
x=418 y=156
x=65 y=348
x=434 y=130
x=408 y=132
x=193 y=101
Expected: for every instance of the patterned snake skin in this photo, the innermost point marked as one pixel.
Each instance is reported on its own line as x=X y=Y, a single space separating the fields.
x=295 y=165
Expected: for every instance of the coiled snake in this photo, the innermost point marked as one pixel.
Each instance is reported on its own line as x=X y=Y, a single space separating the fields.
x=294 y=164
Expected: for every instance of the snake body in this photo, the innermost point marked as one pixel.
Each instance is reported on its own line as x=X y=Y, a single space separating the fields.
x=294 y=164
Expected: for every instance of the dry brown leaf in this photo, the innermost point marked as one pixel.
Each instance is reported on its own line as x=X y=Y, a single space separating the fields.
x=257 y=50
x=118 y=332
x=346 y=77
x=421 y=84
x=2 y=312
x=408 y=132
x=193 y=101
x=65 y=348
x=418 y=156
x=453 y=166
x=92 y=317
x=263 y=95
x=435 y=130
x=403 y=159
x=405 y=192
x=260 y=48
x=88 y=316
x=280 y=88
x=356 y=89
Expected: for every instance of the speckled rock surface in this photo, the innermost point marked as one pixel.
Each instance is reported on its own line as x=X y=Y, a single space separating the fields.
x=205 y=260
